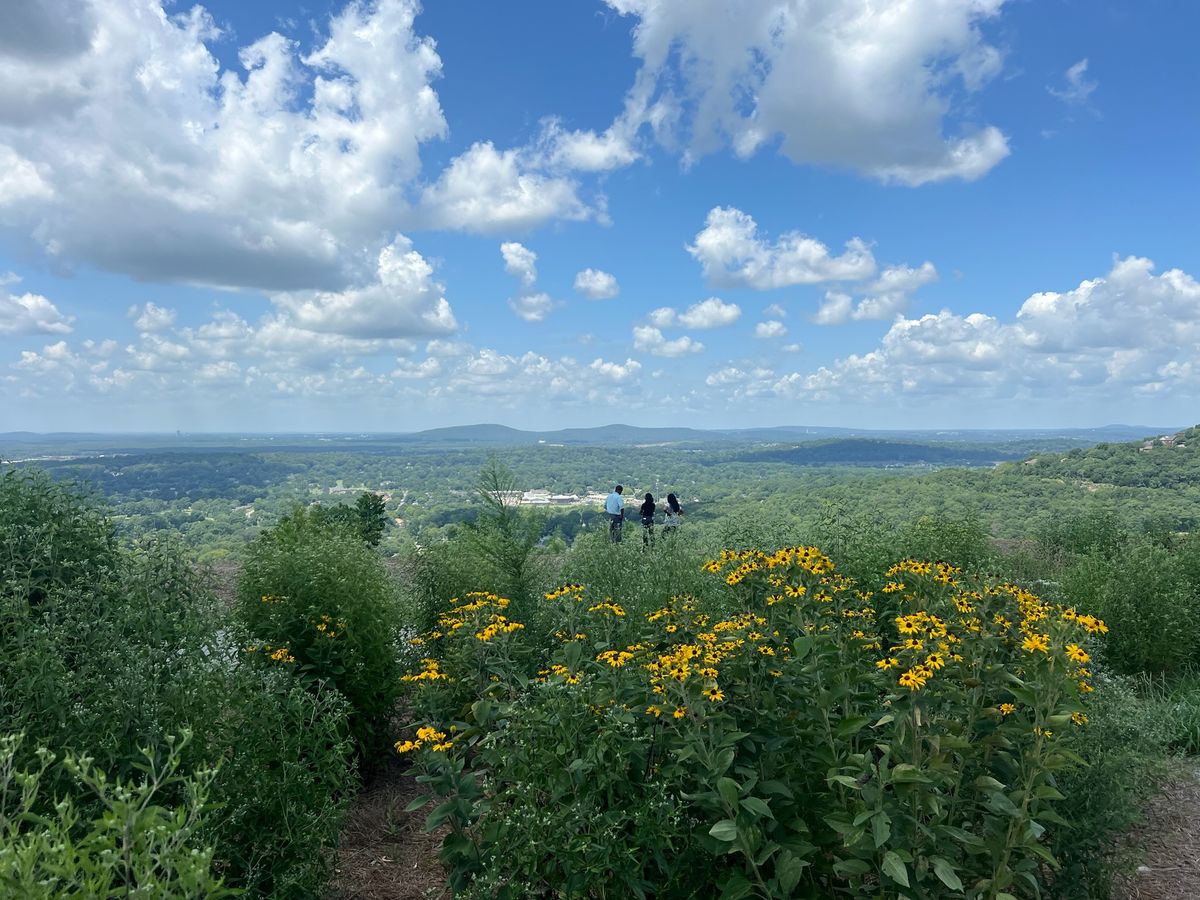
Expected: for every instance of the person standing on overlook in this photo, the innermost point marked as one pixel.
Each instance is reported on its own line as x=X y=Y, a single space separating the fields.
x=647 y=514
x=672 y=516
x=614 y=506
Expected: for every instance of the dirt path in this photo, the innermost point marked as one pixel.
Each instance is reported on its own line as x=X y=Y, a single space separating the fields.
x=1170 y=837
x=384 y=853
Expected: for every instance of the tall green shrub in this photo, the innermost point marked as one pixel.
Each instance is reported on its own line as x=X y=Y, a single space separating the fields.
x=104 y=651
x=1145 y=596
x=316 y=599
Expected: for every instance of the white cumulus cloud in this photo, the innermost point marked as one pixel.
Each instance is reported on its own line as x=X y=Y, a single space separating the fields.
x=597 y=285
x=711 y=313
x=489 y=191
x=772 y=328
x=532 y=307
x=843 y=83
x=402 y=300
x=615 y=371
x=650 y=340
x=520 y=262
x=23 y=314
x=151 y=318
x=732 y=254
x=1129 y=333
x=131 y=148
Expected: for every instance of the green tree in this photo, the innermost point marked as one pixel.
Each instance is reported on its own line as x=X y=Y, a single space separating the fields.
x=372 y=519
x=504 y=535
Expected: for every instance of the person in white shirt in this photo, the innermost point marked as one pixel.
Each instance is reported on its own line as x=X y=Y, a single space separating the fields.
x=614 y=506
x=673 y=515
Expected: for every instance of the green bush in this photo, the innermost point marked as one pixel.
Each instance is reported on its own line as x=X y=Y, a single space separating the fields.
x=135 y=847
x=778 y=735
x=1143 y=593
x=139 y=649
x=286 y=778
x=1123 y=748
x=640 y=578
x=52 y=536
x=315 y=598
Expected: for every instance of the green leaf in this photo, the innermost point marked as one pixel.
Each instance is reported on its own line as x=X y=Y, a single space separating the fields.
x=725 y=830
x=801 y=647
x=852 y=867
x=736 y=887
x=758 y=807
x=788 y=870
x=440 y=814
x=881 y=828
x=988 y=783
x=963 y=837
x=894 y=868
x=417 y=803
x=729 y=791
x=481 y=711
x=839 y=823
x=999 y=803
x=724 y=760
x=851 y=726
x=946 y=874
x=906 y=773
x=775 y=788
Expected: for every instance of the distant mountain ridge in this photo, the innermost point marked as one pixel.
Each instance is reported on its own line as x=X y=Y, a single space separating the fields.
x=619 y=433
x=496 y=435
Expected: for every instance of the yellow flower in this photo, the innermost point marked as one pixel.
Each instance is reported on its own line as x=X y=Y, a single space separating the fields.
x=654 y=710
x=1035 y=642
x=1007 y=709
x=1079 y=718
x=1076 y=654
x=915 y=678
x=407 y=746
x=680 y=712
x=714 y=694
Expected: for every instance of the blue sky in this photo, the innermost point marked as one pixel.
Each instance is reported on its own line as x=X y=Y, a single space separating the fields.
x=379 y=216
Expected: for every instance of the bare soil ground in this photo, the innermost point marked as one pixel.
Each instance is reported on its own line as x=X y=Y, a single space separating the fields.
x=384 y=853
x=1170 y=839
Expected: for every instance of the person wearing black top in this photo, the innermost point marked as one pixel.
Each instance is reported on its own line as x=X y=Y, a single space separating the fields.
x=647 y=512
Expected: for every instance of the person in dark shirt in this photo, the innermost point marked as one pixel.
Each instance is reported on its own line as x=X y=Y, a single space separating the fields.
x=647 y=513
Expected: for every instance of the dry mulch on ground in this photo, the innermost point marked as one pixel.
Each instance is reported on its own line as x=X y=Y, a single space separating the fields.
x=1170 y=837
x=384 y=853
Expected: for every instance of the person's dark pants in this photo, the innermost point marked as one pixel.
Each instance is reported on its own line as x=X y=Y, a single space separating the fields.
x=617 y=520
x=648 y=535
